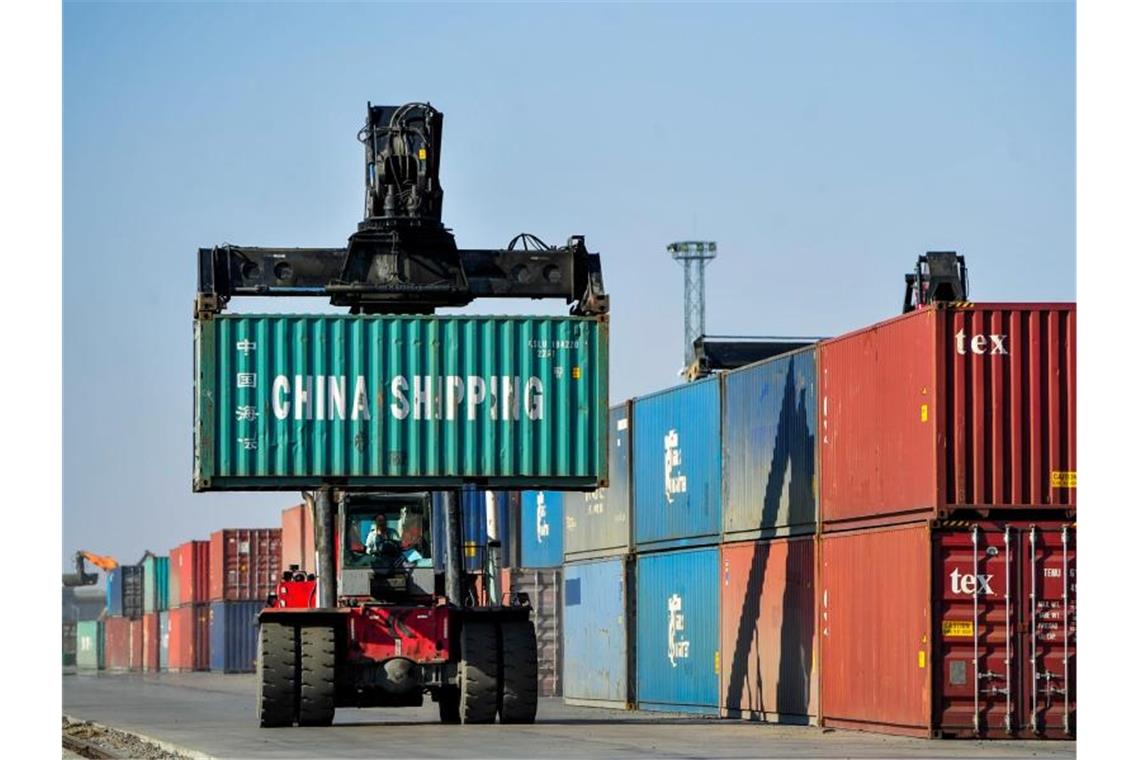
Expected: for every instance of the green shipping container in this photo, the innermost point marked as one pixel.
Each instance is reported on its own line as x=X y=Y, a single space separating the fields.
x=156 y=583
x=284 y=402
x=89 y=645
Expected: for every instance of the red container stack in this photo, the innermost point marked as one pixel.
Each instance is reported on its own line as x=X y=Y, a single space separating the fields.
x=947 y=555
x=245 y=564
x=150 y=637
x=298 y=542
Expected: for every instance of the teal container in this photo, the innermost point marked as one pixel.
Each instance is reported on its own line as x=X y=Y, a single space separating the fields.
x=156 y=584
x=284 y=402
x=89 y=645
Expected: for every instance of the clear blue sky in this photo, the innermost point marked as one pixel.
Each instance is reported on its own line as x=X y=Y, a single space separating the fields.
x=822 y=146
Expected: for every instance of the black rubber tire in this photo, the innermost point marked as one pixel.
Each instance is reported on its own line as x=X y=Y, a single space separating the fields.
x=448 y=704
x=478 y=673
x=276 y=675
x=318 y=676
x=519 y=693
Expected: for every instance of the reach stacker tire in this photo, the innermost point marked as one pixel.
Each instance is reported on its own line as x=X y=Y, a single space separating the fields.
x=478 y=673
x=318 y=676
x=276 y=675
x=519 y=692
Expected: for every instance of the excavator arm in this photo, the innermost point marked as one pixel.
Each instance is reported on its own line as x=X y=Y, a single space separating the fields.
x=81 y=577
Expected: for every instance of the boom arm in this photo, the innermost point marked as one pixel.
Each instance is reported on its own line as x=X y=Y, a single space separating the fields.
x=81 y=576
x=402 y=259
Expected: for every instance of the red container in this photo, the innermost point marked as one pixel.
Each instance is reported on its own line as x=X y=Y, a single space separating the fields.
x=298 y=542
x=150 y=642
x=189 y=645
x=768 y=649
x=137 y=649
x=907 y=611
x=190 y=566
x=117 y=643
x=245 y=563
x=949 y=407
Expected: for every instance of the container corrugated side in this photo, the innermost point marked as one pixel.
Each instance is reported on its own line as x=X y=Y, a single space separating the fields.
x=125 y=591
x=156 y=584
x=89 y=652
x=956 y=406
x=164 y=640
x=245 y=563
x=544 y=586
x=190 y=573
x=541 y=535
x=677 y=467
x=597 y=604
x=902 y=609
x=151 y=642
x=233 y=636
x=678 y=631
x=298 y=540
x=769 y=447
x=288 y=401
x=189 y=646
x=768 y=632
x=137 y=644
x=598 y=523
x=117 y=643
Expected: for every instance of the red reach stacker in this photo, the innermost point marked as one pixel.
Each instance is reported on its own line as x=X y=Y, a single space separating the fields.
x=393 y=636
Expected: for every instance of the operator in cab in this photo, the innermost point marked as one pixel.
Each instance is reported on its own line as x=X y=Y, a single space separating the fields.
x=404 y=536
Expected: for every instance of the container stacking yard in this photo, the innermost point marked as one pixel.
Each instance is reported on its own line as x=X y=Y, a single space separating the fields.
x=876 y=532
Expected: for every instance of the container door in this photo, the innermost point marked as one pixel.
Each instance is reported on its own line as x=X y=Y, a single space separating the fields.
x=545 y=590
x=1049 y=631
x=976 y=616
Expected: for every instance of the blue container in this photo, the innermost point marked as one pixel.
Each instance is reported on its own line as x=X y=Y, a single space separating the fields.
x=473 y=504
x=164 y=641
x=676 y=467
x=541 y=528
x=125 y=591
x=233 y=636
x=596 y=612
x=678 y=631
x=770 y=448
x=598 y=522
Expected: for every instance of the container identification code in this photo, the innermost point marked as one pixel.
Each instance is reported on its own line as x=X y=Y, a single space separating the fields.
x=957 y=628
x=1063 y=478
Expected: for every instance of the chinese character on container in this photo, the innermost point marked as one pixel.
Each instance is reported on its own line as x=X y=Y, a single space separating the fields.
x=246 y=380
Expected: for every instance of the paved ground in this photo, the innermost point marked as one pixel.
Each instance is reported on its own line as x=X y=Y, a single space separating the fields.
x=214 y=714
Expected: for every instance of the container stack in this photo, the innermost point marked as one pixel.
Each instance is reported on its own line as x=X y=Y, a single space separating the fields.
x=156 y=597
x=245 y=565
x=768 y=632
x=188 y=637
x=539 y=574
x=948 y=551
x=298 y=540
x=123 y=629
x=676 y=532
x=597 y=599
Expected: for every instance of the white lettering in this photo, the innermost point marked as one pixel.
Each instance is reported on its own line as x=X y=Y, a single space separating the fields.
x=999 y=344
x=674 y=483
x=960 y=341
x=978 y=344
x=303 y=404
x=281 y=397
x=533 y=400
x=360 y=400
x=422 y=397
x=494 y=397
x=678 y=646
x=320 y=397
x=970 y=584
x=336 y=398
x=542 y=527
x=476 y=393
x=454 y=396
x=510 y=396
x=400 y=406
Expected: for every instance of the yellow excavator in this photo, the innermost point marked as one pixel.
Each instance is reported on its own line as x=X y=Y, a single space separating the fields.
x=81 y=577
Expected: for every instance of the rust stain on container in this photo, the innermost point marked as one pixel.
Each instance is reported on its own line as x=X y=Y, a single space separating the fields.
x=964 y=631
x=768 y=631
x=949 y=407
